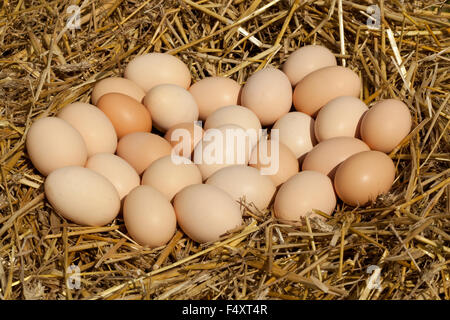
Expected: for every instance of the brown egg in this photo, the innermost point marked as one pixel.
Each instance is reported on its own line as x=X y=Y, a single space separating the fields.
x=53 y=143
x=212 y=93
x=363 y=177
x=206 y=212
x=155 y=68
x=119 y=172
x=149 y=217
x=275 y=160
x=222 y=147
x=327 y=155
x=307 y=59
x=323 y=85
x=184 y=137
x=93 y=125
x=302 y=193
x=126 y=114
x=170 y=105
x=170 y=174
x=116 y=84
x=268 y=93
x=238 y=115
x=386 y=124
x=341 y=117
x=296 y=131
x=82 y=195
x=140 y=149
x=244 y=183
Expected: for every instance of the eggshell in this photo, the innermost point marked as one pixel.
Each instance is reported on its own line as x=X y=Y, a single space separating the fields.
x=268 y=93
x=222 y=147
x=296 y=131
x=237 y=115
x=119 y=172
x=82 y=195
x=126 y=114
x=302 y=193
x=205 y=212
x=321 y=86
x=140 y=149
x=184 y=137
x=170 y=105
x=149 y=217
x=212 y=93
x=307 y=59
x=155 y=68
x=275 y=160
x=386 y=124
x=170 y=174
x=244 y=183
x=326 y=156
x=341 y=117
x=116 y=84
x=363 y=177
x=53 y=143
x=93 y=125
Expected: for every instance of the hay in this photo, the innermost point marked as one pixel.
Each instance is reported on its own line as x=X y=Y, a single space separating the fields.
x=404 y=236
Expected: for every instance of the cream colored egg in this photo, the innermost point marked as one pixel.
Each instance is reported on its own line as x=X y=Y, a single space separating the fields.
x=296 y=131
x=53 y=143
x=116 y=84
x=341 y=117
x=170 y=105
x=119 y=172
x=206 y=212
x=94 y=126
x=82 y=196
x=302 y=193
x=170 y=174
x=152 y=69
x=149 y=217
x=245 y=183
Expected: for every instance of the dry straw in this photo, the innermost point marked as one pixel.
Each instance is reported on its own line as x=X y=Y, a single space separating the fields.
x=396 y=248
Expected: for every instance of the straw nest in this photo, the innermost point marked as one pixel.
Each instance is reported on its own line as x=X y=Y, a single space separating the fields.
x=396 y=248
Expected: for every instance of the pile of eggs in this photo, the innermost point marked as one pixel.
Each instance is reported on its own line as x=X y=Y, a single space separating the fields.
x=124 y=152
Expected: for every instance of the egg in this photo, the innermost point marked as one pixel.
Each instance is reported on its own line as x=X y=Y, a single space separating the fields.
x=205 y=212
x=212 y=93
x=296 y=131
x=151 y=69
x=307 y=59
x=386 y=124
x=140 y=149
x=94 y=126
x=116 y=84
x=275 y=160
x=222 y=147
x=326 y=156
x=119 y=172
x=170 y=174
x=237 y=115
x=53 y=143
x=149 y=217
x=303 y=192
x=321 y=86
x=184 y=137
x=82 y=195
x=170 y=105
x=268 y=93
x=341 y=117
x=363 y=177
x=246 y=183
x=126 y=114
